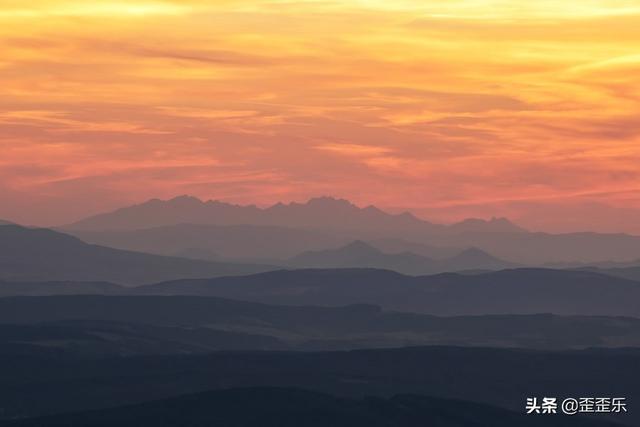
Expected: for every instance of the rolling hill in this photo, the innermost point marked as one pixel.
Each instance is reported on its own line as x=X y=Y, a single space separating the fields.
x=129 y=325
x=28 y=254
x=359 y=254
x=518 y=291
x=326 y=222
x=630 y=273
x=215 y=242
x=44 y=383
x=18 y=288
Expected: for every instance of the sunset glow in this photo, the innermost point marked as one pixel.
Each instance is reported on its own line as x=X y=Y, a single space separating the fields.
x=451 y=109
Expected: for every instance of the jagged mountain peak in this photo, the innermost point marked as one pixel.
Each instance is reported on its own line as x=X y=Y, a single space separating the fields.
x=319 y=212
x=328 y=201
x=495 y=224
x=322 y=213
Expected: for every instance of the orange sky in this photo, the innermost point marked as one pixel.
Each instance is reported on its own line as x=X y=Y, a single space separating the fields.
x=451 y=108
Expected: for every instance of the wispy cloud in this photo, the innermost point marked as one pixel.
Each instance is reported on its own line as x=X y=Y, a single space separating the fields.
x=440 y=103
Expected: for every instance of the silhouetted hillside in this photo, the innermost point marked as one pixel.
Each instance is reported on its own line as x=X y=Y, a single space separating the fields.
x=140 y=325
x=9 y=289
x=474 y=259
x=343 y=222
x=630 y=273
x=317 y=213
x=322 y=212
x=395 y=245
x=544 y=248
x=232 y=241
x=280 y=407
x=359 y=254
x=78 y=338
x=494 y=225
x=28 y=254
x=38 y=383
x=520 y=291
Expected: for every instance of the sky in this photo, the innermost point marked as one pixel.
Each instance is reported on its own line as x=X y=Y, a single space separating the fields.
x=448 y=108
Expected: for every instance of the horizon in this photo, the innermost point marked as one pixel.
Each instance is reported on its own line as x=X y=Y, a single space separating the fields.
x=261 y=207
x=303 y=202
x=448 y=110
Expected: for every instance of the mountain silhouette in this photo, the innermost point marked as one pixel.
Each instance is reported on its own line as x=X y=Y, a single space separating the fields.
x=355 y=254
x=545 y=248
x=317 y=213
x=474 y=259
x=359 y=254
x=494 y=225
x=33 y=289
x=29 y=254
x=99 y=338
x=630 y=273
x=134 y=325
x=518 y=291
x=396 y=245
x=321 y=212
x=39 y=383
x=328 y=222
x=224 y=242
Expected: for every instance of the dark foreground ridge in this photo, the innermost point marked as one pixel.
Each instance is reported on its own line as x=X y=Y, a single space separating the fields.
x=280 y=407
x=44 y=382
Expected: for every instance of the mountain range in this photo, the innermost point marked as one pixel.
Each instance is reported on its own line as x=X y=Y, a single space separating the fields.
x=318 y=213
x=142 y=325
x=41 y=255
x=189 y=226
x=214 y=242
x=46 y=255
x=359 y=254
x=518 y=291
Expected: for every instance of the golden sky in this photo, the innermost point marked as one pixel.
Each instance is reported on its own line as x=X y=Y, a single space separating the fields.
x=450 y=108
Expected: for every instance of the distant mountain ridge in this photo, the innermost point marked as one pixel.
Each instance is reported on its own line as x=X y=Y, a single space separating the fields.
x=222 y=241
x=190 y=324
x=188 y=225
x=34 y=289
x=517 y=291
x=30 y=254
x=494 y=225
x=359 y=254
x=319 y=213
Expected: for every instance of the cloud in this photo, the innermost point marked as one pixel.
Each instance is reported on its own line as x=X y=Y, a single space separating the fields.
x=44 y=9
x=440 y=105
x=353 y=149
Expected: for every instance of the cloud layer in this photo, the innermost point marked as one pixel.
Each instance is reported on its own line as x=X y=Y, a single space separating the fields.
x=453 y=109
